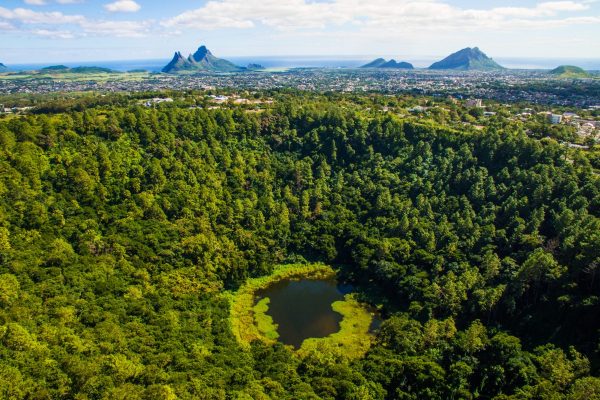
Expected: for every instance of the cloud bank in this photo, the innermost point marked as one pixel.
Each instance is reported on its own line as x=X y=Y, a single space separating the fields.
x=373 y=18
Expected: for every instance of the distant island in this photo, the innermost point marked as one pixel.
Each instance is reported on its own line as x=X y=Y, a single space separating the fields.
x=570 y=71
x=62 y=69
x=204 y=61
x=391 y=64
x=55 y=68
x=469 y=59
x=201 y=61
x=255 y=67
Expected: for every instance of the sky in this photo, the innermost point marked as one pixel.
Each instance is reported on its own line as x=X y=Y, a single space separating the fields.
x=47 y=31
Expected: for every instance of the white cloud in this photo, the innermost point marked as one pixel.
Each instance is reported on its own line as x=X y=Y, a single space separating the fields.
x=383 y=19
x=133 y=29
x=123 y=6
x=6 y=26
x=62 y=26
x=53 y=34
x=35 y=2
x=385 y=15
x=45 y=2
x=27 y=16
x=281 y=14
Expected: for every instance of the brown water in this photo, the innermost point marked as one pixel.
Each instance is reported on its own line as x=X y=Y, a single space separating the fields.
x=302 y=308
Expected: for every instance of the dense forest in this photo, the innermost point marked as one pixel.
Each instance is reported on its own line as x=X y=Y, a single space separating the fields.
x=122 y=226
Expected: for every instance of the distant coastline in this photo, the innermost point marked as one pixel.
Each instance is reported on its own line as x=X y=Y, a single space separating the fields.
x=155 y=65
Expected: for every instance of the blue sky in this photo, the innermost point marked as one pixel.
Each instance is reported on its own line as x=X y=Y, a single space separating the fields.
x=47 y=31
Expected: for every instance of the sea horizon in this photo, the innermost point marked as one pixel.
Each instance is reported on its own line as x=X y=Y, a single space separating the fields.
x=333 y=62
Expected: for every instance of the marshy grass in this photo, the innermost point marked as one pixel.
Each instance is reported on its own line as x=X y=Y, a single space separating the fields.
x=250 y=321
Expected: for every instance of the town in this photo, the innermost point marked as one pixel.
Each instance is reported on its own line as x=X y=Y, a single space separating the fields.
x=535 y=87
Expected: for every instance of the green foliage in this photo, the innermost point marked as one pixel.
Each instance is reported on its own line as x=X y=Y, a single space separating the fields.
x=264 y=322
x=249 y=321
x=9 y=289
x=124 y=231
x=353 y=339
x=570 y=71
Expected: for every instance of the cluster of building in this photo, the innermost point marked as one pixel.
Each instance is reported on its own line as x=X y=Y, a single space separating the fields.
x=504 y=86
x=584 y=127
x=573 y=119
x=13 y=110
x=157 y=100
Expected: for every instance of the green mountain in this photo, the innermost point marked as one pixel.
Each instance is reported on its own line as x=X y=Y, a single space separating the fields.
x=201 y=60
x=3 y=68
x=397 y=65
x=392 y=64
x=62 y=69
x=52 y=68
x=469 y=59
x=177 y=64
x=375 y=63
x=91 y=70
x=570 y=71
x=254 y=67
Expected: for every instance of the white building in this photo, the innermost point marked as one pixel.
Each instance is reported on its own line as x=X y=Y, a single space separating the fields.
x=555 y=118
x=474 y=103
x=157 y=100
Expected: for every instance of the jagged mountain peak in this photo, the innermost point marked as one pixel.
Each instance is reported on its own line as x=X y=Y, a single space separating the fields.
x=202 y=53
x=202 y=60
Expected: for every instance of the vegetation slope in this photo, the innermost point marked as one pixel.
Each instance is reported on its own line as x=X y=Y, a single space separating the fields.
x=121 y=226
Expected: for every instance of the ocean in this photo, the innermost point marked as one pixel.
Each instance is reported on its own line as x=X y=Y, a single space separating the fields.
x=590 y=64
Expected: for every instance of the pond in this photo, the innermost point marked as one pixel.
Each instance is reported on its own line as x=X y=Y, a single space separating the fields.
x=302 y=308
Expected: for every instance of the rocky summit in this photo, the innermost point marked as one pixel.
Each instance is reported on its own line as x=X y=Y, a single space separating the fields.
x=178 y=63
x=469 y=59
x=201 y=60
x=392 y=64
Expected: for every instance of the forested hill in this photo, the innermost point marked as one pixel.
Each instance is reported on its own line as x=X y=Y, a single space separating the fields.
x=121 y=226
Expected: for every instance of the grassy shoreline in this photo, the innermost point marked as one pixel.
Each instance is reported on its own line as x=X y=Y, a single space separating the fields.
x=353 y=339
x=243 y=310
x=250 y=321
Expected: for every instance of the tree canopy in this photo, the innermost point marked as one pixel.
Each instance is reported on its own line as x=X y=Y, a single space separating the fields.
x=122 y=225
